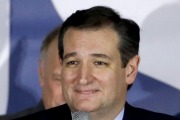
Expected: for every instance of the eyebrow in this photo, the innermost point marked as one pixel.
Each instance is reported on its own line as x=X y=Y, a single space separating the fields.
x=69 y=55
x=98 y=55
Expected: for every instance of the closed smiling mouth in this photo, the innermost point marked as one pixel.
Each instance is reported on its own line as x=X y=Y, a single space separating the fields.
x=86 y=91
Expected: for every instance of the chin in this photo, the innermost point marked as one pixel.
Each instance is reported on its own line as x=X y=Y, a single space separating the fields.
x=86 y=107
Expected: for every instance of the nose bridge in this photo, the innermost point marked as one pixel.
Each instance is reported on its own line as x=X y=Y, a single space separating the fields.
x=85 y=73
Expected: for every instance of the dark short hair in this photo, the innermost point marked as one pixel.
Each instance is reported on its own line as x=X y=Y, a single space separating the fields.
x=99 y=17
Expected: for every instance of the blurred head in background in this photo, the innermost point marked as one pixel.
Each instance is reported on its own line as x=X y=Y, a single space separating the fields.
x=49 y=71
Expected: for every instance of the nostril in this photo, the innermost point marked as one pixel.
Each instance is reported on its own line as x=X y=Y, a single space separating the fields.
x=83 y=81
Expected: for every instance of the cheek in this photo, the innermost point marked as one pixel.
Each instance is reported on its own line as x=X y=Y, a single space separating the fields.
x=106 y=79
x=111 y=80
x=56 y=87
x=52 y=88
x=68 y=81
x=68 y=76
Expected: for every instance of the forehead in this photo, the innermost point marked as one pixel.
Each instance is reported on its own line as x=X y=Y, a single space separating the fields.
x=51 y=55
x=52 y=48
x=91 y=36
x=91 y=41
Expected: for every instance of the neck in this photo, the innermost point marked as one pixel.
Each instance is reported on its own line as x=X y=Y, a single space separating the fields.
x=106 y=114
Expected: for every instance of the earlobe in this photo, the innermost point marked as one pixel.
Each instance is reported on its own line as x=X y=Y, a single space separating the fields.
x=132 y=69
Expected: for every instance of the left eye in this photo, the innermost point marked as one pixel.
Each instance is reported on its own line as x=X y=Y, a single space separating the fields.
x=100 y=63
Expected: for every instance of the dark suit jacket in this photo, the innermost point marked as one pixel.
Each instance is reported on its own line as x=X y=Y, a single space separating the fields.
x=38 y=107
x=63 y=113
x=132 y=113
x=178 y=115
x=57 y=113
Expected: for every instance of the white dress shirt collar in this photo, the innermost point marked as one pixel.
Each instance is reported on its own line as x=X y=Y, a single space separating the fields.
x=120 y=115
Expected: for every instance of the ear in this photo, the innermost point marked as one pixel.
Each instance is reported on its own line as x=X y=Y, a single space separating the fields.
x=41 y=72
x=132 y=69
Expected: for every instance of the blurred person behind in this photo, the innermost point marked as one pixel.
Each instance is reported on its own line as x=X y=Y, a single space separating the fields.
x=49 y=71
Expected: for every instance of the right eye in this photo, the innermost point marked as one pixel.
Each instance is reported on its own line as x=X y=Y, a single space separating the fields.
x=72 y=63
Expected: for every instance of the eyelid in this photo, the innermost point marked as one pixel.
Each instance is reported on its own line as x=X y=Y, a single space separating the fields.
x=71 y=63
x=99 y=62
x=57 y=77
x=102 y=63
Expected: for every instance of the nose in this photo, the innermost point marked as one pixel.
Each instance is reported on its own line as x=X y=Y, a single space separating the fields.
x=85 y=75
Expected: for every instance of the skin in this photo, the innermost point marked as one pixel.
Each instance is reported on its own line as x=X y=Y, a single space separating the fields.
x=50 y=79
x=92 y=77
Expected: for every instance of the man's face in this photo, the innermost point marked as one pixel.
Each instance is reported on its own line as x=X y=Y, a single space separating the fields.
x=50 y=77
x=92 y=76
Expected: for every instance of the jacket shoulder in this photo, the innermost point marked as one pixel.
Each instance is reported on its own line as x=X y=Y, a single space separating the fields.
x=22 y=113
x=61 y=113
x=133 y=113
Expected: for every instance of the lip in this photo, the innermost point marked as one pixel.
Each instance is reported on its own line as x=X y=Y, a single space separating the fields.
x=86 y=92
